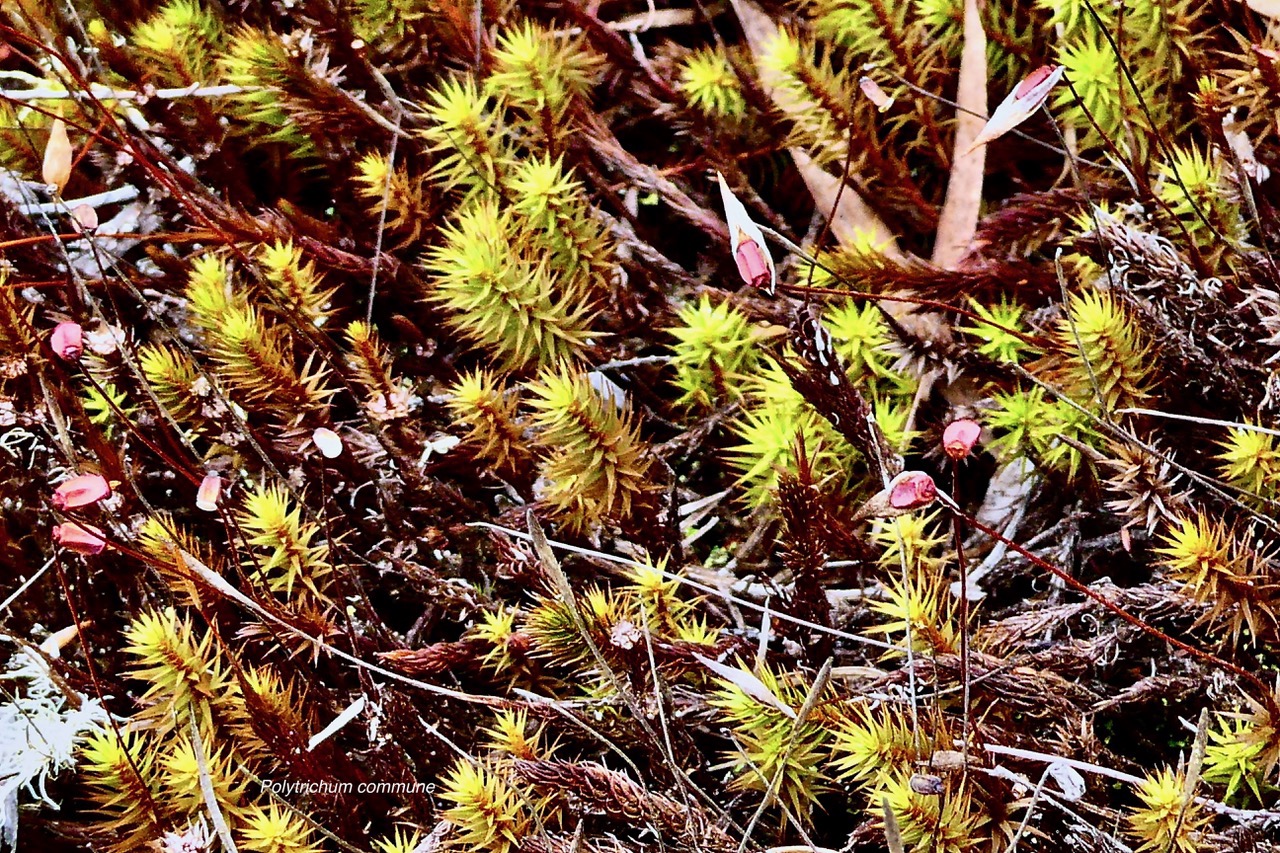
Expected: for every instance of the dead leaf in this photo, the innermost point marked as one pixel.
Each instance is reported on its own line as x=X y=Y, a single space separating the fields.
x=1069 y=780
x=854 y=218
x=852 y=221
x=892 y=834
x=1265 y=8
x=85 y=216
x=654 y=19
x=958 y=221
x=1011 y=486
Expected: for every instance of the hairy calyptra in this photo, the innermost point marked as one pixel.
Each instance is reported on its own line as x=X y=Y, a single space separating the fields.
x=67 y=341
x=81 y=538
x=960 y=436
x=82 y=490
x=58 y=156
x=1024 y=100
x=209 y=492
x=910 y=490
x=328 y=442
x=746 y=241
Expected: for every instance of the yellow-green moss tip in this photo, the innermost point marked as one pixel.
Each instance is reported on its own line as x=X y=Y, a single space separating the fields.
x=710 y=84
x=596 y=465
x=1250 y=461
x=1106 y=355
x=716 y=350
x=487 y=409
x=277 y=829
x=293 y=555
x=514 y=307
x=488 y=815
x=1165 y=820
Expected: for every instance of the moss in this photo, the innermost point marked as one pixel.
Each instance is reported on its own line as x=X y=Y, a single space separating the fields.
x=482 y=242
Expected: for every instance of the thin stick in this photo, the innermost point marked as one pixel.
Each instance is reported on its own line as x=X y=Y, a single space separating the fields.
x=810 y=702
x=913 y=688
x=92 y=669
x=17 y=593
x=1268 y=698
x=1156 y=413
x=958 y=532
x=206 y=787
x=835 y=204
x=1031 y=808
x=106 y=94
x=382 y=213
x=692 y=584
x=1075 y=335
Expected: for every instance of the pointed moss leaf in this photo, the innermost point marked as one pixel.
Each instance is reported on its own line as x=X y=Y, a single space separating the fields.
x=747 y=683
